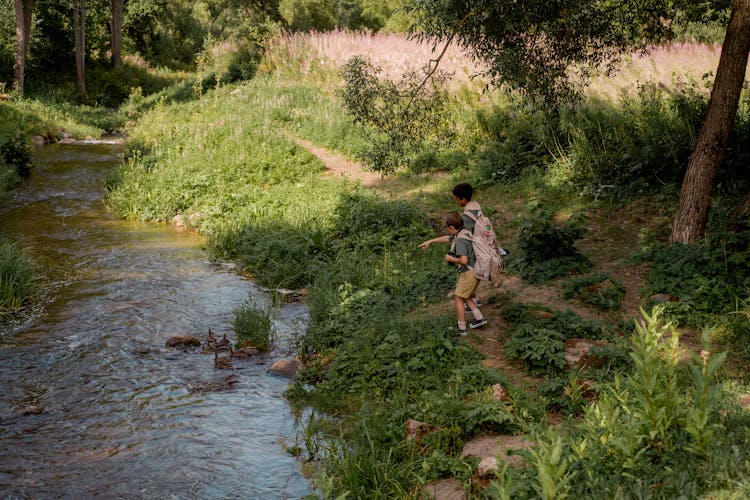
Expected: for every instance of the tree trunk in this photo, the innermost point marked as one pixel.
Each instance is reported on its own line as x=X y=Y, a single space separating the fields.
x=695 y=196
x=23 y=10
x=115 y=25
x=79 y=27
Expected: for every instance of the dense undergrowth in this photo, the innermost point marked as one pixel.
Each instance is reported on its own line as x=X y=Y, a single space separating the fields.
x=379 y=349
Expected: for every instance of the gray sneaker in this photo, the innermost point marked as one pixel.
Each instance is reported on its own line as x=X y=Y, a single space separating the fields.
x=459 y=331
x=477 y=323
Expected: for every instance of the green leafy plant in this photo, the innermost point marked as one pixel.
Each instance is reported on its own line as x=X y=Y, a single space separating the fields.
x=254 y=326
x=600 y=290
x=541 y=349
x=15 y=153
x=547 y=249
x=707 y=280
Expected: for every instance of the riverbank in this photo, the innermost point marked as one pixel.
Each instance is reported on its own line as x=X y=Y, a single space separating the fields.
x=244 y=164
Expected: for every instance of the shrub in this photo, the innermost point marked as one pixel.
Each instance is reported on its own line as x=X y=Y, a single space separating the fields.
x=361 y=213
x=400 y=118
x=254 y=326
x=547 y=250
x=517 y=142
x=599 y=290
x=15 y=154
x=230 y=60
x=538 y=335
x=541 y=349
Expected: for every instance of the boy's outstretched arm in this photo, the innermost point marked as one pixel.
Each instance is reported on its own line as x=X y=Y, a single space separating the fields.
x=439 y=239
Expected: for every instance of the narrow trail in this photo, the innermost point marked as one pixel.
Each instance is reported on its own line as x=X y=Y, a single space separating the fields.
x=338 y=166
x=489 y=340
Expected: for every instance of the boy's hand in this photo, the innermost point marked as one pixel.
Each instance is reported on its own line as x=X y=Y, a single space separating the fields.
x=424 y=245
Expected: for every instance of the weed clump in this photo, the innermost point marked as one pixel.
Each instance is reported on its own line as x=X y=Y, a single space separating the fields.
x=254 y=327
x=16 y=275
x=599 y=290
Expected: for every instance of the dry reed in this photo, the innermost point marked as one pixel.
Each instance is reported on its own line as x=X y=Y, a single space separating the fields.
x=396 y=54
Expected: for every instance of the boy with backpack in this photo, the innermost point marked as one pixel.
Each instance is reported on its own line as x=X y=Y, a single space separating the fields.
x=462 y=255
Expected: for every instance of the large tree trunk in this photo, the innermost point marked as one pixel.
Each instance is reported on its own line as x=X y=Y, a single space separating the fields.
x=695 y=196
x=23 y=11
x=115 y=26
x=79 y=27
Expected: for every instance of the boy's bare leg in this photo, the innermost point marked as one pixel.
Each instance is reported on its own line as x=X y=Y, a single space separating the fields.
x=460 y=312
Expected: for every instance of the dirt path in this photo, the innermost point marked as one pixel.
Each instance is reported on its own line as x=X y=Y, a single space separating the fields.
x=338 y=166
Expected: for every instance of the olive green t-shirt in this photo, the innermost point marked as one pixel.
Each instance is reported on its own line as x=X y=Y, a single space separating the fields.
x=462 y=246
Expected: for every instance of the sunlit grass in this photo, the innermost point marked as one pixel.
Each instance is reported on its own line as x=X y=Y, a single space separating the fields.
x=16 y=274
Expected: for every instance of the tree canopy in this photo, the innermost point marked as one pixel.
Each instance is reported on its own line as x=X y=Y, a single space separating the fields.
x=543 y=47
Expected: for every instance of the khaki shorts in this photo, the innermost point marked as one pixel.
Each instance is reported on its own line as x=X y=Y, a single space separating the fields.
x=467 y=284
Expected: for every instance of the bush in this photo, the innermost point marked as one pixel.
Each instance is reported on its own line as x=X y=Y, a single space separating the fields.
x=361 y=213
x=230 y=60
x=547 y=250
x=400 y=119
x=706 y=280
x=542 y=350
x=15 y=153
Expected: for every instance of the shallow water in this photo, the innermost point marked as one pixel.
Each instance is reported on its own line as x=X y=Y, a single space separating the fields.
x=124 y=416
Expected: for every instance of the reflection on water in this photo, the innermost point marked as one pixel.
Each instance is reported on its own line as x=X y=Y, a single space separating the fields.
x=123 y=416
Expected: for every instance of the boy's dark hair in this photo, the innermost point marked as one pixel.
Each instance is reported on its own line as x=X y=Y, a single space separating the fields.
x=454 y=220
x=463 y=190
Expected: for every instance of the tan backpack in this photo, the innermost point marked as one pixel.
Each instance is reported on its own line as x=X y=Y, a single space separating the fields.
x=489 y=255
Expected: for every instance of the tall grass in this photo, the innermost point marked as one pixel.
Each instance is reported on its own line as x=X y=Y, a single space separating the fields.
x=254 y=327
x=16 y=275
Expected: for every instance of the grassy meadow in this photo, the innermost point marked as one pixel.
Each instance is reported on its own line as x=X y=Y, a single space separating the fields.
x=583 y=199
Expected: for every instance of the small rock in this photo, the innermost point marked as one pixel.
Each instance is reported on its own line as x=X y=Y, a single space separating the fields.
x=286 y=367
x=577 y=353
x=415 y=429
x=445 y=489
x=499 y=393
x=496 y=446
x=31 y=410
x=243 y=352
x=37 y=140
x=660 y=298
x=183 y=341
x=487 y=467
x=67 y=140
x=178 y=221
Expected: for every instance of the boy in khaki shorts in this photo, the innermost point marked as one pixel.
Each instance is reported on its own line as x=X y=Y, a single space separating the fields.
x=461 y=255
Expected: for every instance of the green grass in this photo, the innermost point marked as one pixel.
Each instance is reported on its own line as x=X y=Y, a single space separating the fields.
x=378 y=349
x=254 y=327
x=16 y=276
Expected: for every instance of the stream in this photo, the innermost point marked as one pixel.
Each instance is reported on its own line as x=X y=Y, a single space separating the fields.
x=123 y=416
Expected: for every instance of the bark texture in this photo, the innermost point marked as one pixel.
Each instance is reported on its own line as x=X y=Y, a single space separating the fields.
x=115 y=26
x=79 y=27
x=23 y=11
x=700 y=179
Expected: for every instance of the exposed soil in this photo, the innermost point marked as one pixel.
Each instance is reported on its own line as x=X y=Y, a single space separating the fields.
x=489 y=340
x=338 y=166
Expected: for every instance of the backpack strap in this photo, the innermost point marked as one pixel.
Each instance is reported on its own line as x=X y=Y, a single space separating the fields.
x=465 y=234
